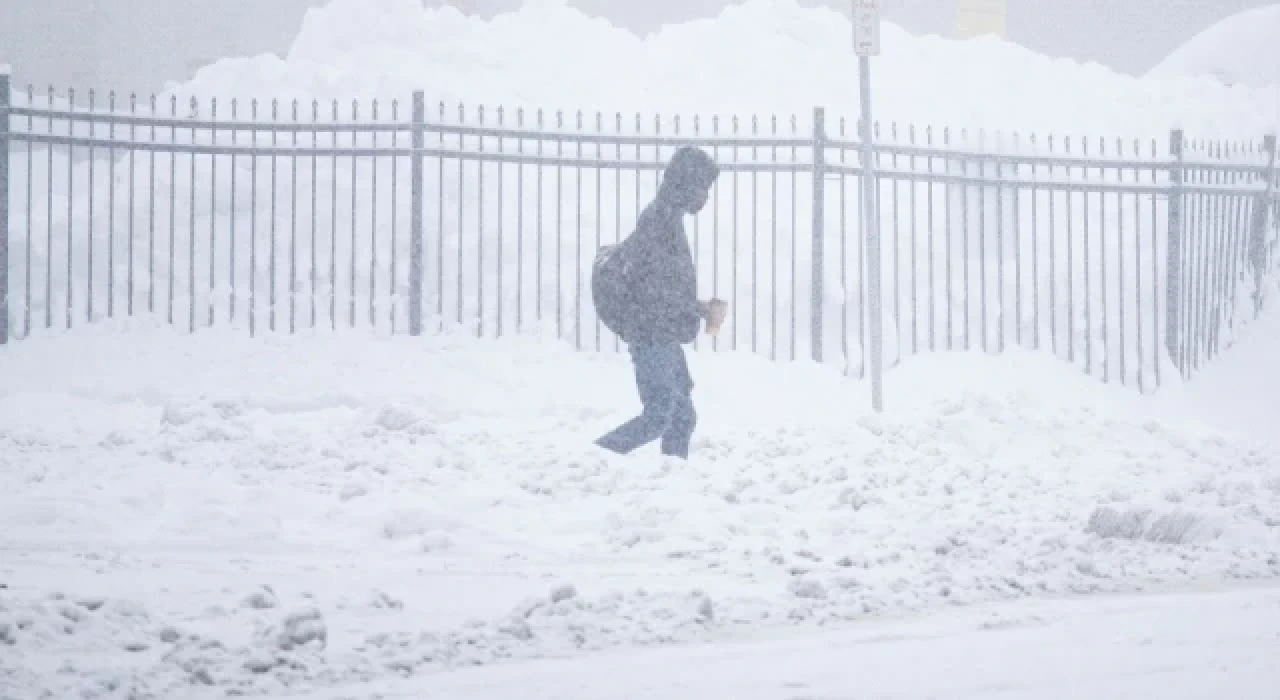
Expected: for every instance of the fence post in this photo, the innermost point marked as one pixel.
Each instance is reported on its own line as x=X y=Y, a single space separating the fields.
x=1261 y=217
x=819 y=230
x=419 y=141
x=4 y=205
x=1173 y=286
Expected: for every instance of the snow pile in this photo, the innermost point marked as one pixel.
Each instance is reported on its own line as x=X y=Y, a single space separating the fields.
x=1238 y=50
x=547 y=54
x=1242 y=391
x=247 y=495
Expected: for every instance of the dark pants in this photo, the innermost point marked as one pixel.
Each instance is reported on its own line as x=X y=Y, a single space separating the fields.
x=662 y=378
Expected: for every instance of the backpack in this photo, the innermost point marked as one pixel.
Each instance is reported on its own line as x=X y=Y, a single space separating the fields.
x=611 y=289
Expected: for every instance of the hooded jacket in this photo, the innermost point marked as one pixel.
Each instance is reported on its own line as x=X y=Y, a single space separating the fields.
x=660 y=264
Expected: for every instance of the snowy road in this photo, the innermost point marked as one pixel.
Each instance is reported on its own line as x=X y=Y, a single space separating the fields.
x=1180 y=646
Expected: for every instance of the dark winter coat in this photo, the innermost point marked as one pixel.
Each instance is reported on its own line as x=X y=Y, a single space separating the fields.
x=663 y=279
x=660 y=272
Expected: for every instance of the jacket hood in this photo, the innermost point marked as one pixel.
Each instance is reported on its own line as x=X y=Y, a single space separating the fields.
x=689 y=171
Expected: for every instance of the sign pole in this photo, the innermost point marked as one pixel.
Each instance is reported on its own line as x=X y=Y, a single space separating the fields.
x=866 y=43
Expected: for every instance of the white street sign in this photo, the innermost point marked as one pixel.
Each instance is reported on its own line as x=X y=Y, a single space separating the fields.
x=866 y=27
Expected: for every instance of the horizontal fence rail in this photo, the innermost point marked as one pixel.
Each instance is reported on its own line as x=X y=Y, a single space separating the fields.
x=1129 y=258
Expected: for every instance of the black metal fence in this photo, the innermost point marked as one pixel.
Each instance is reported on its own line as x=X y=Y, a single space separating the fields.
x=400 y=218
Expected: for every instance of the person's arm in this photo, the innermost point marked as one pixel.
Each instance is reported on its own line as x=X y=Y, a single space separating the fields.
x=660 y=294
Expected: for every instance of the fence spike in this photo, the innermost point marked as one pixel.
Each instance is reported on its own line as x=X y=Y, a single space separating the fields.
x=213 y=108
x=735 y=124
x=560 y=119
x=697 y=124
x=617 y=121
x=893 y=131
x=293 y=109
x=334 y=106
x=373 y=109
x=842 y=123
x=715 y=123
x=657 y=124
x=480 y=114
x=502 y=113
x=520 y=116
x=946 y=136
x=928 y=134
x=541 y=117
x=755 y=124
x=675 y=122
x=395 y=109
x=599 y=124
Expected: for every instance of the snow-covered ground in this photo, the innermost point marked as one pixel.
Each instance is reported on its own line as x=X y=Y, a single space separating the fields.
x=183 y=517
x=289 y=514
x=1175 y=647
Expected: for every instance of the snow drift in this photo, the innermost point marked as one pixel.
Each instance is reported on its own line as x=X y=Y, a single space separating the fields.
x=1239 y=51
x=547 y=54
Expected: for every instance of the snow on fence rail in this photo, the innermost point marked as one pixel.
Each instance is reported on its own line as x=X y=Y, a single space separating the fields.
x=404 y=217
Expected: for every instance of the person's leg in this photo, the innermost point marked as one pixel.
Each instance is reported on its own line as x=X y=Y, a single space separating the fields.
x=679 y=433
x=675 y=441
x=657 y=371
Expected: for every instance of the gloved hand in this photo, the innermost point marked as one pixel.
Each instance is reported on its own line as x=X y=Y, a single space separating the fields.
x=714 y=312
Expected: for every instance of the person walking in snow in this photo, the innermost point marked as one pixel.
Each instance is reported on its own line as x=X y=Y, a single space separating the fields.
x=659 y=310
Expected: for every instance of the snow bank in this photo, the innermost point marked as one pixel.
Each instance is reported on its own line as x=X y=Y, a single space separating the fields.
x=548 y=54
x=1242 y=391
x=1238 y=50
x=455 y=477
